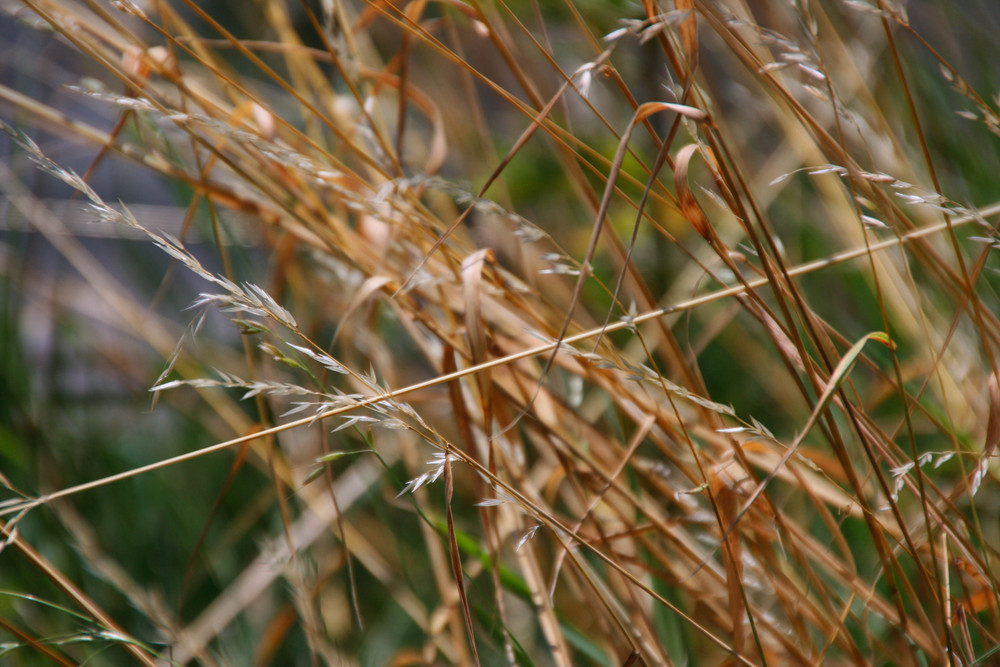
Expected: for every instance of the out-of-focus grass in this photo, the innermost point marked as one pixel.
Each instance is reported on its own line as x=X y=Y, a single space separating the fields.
x=523 y=333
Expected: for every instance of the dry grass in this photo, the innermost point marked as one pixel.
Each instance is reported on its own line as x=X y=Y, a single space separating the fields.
x=572 y=333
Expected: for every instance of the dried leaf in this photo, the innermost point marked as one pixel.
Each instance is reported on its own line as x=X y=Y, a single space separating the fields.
x=689 y=34
x=690 y=208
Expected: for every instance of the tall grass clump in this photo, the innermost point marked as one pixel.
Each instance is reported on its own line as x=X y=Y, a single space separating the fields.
x=558 y=333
